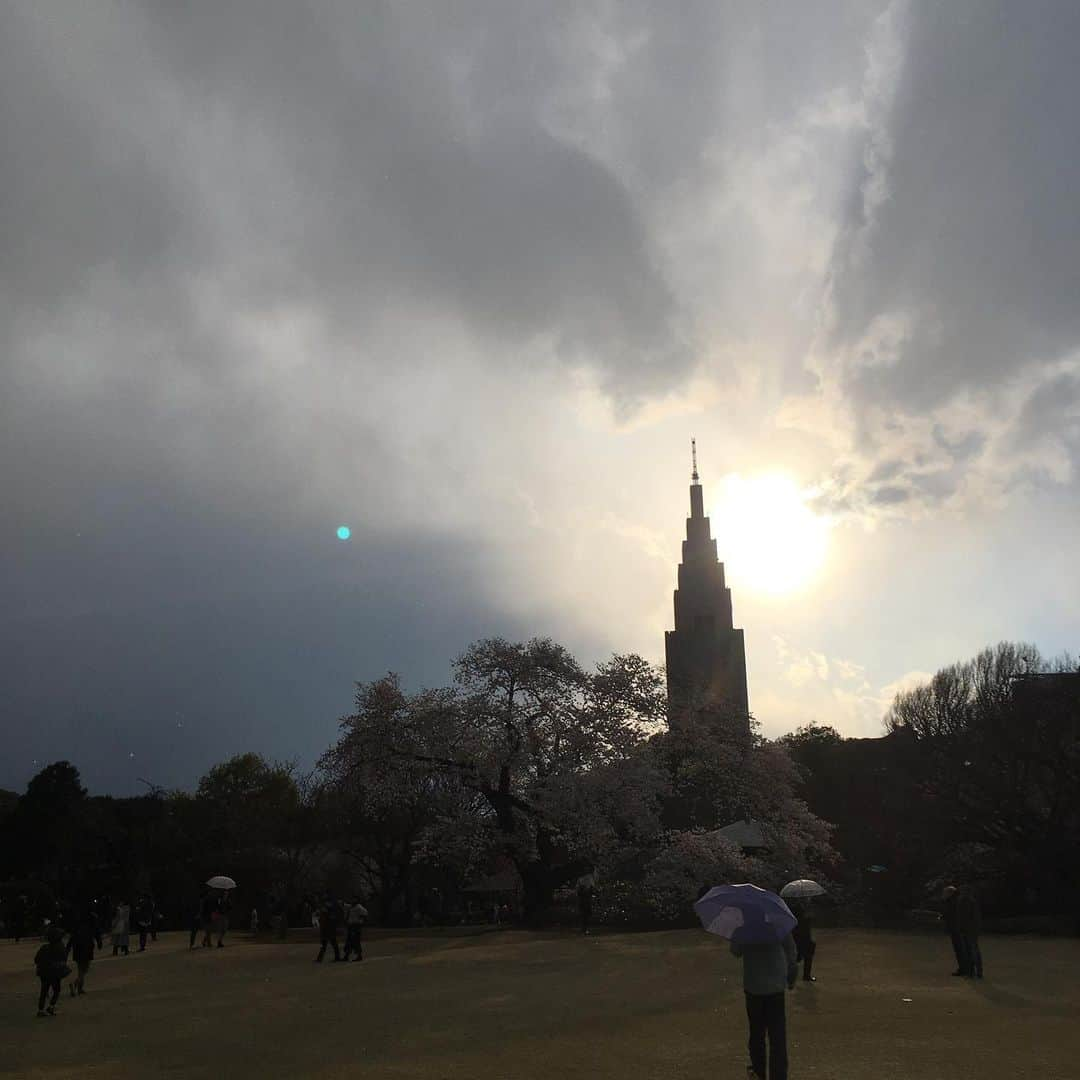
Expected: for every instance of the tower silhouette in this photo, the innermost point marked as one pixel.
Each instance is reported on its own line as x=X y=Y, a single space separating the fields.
x=706 y=655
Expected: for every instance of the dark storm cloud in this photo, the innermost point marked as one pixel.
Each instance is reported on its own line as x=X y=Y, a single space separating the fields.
x=270 y=266
x=977 y=236
x=1053 y=407
x=175 y=178
x=416 y=164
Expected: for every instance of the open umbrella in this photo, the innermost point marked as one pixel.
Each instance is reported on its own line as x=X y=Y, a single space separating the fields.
x=745 y=914
x=801 y=889
x=221 y=882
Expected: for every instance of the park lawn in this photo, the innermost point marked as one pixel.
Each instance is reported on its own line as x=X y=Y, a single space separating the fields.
x=514 y=1005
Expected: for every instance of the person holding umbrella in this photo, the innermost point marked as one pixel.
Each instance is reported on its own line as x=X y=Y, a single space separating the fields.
x=758 y=924
x=797 y=895
x=219 y=909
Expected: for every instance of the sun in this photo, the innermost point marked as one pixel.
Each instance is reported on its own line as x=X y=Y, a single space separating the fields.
x=767 y=536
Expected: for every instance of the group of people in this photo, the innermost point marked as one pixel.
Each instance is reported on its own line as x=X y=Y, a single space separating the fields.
x=770 y=970
x=83 y=934
x=147 y=918
x=210 y=917
x=332 y=915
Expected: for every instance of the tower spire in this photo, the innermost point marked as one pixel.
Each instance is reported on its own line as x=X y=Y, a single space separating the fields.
x=706 y=654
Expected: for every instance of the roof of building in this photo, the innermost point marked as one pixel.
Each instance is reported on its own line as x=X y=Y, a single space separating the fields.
x=747 y=834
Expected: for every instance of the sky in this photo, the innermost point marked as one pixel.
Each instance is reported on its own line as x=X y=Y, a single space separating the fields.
x=466 y=278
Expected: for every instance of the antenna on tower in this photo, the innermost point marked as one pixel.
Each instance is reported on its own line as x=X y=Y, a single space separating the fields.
x=693 y=458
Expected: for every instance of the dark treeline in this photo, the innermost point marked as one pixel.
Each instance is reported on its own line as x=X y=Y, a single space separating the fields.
x=976 y=782
x=530 y=770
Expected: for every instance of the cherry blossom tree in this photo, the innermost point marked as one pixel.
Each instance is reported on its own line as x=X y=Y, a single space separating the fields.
x=536 y=754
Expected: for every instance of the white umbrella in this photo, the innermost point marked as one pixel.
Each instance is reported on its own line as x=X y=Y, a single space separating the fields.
x=221 y=882
x=801 y=889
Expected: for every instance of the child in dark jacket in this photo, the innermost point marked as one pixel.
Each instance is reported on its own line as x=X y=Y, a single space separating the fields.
x=51 y=963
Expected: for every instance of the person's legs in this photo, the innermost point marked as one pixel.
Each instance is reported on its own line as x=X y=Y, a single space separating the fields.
x=808 y=960
x=324 y=940
x=142 y=939
x=194 y=935
x=965 y=955
x=41 y=996
x=958 y=952
x=974 y=954
x=755 y=1013
x=80 y=980
x=54 y=993
x=776 y=1022
x=334 y=943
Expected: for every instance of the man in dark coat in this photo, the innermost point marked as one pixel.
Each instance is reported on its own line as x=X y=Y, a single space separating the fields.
x=803 y=936
x=85 y=935
x=144 y=919
x=968 y=926
x=951 y=896
x=329 y=921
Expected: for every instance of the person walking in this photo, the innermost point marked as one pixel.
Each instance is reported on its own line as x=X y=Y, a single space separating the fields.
x=280 y=910
x=50 y=961
x=80 y=947
x=355 y=917
x=968 y=926
x=220 y=916
x=121 y=928
x=206 y=918
x=144 y=919
x=803 y=936
x=195 y=918
x=768 y=970
x=951 y=896
x=586 y=889
x=329 y=921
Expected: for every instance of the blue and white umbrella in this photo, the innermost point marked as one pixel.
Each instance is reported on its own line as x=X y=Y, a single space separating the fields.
x=745 y=914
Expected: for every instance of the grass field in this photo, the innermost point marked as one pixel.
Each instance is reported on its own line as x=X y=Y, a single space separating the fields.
x=512 y=1005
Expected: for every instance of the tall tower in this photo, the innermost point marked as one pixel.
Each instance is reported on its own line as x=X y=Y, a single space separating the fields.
x=706 y=656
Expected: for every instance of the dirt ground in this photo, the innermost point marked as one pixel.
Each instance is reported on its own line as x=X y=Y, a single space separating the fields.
x=513 y=1005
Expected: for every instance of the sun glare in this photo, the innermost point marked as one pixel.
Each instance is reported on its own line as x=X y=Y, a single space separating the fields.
x=767 y=537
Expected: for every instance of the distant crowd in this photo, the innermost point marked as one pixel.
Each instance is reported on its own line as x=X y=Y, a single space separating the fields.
x=73 y=934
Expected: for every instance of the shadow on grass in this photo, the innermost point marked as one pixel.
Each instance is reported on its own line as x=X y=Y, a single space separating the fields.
x=1009 y=999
